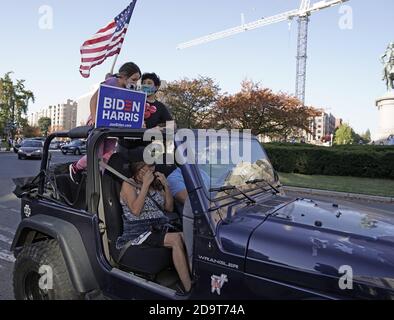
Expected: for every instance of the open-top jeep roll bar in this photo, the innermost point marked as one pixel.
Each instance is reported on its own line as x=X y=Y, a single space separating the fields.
x=77 y=133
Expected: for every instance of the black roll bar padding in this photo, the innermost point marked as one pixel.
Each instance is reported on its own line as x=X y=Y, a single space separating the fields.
x=80 y=132
x=96 y=136
x=76 y=133
x=45 y=156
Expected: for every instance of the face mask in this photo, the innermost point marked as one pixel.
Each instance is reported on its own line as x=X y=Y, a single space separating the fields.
x=149 y=90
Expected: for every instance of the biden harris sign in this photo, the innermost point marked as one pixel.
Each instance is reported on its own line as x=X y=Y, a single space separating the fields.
x=120 y=108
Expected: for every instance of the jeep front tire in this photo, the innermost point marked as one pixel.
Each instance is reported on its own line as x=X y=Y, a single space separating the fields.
x=53 y=283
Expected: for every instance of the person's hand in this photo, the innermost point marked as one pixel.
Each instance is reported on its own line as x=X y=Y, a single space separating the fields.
x=161 y=177
x=90 y=123
x=148 y=178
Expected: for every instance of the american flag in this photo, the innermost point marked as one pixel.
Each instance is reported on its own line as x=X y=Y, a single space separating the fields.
x=106 y=42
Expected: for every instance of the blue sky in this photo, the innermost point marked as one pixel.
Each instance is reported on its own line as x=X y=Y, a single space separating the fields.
x=344 y=72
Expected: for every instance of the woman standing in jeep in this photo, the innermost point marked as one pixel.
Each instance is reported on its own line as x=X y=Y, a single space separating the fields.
x=128 y=76
x=148 y=200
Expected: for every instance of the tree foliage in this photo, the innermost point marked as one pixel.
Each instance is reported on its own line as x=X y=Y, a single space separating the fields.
x=199 y=103
x=357 y=161
x=14 y=101
x=262 y=111
x=191 y=101
x=30 y=132
x=367 y=136
x=345 y=135
x=44 y=124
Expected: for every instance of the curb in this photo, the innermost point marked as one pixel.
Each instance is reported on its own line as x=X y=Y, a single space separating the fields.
x=336 y=194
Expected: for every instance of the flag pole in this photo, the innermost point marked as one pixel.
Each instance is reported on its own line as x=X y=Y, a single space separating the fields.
x=114 y=63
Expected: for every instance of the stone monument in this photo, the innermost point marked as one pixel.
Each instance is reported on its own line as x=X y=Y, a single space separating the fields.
x=385 y=103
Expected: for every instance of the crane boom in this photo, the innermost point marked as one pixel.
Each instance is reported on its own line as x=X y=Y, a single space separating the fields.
x=239 y=29
x=303 y=13
x=305 y=9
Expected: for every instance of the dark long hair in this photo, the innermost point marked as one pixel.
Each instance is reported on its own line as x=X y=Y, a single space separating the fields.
x=135 y=167
x=128 y=69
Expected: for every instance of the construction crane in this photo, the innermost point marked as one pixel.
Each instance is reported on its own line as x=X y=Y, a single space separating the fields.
x=303 y=13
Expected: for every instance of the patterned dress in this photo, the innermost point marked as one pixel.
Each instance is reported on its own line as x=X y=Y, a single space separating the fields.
x=134 y=228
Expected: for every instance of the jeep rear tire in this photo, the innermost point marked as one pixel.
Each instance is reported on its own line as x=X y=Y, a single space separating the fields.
x=26 y=276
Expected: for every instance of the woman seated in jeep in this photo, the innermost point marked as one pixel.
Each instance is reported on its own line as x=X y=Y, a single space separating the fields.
x=147 y=200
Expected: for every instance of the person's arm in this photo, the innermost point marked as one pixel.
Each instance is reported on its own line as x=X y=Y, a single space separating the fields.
x=168 y=198
x=93 y=106
x=129 y=194
x=177 y=186
x=182 y=196
x=165 y=116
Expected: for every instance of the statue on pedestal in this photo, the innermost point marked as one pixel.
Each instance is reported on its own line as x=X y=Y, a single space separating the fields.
x=388 y=61
x=385 y=103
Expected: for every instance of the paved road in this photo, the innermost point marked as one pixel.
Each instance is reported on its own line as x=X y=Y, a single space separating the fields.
x=10 y=168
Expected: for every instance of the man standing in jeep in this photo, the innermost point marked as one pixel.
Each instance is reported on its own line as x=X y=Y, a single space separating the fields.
x=157 y=114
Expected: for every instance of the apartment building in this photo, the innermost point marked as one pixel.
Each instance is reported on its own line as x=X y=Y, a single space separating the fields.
x=63 y=116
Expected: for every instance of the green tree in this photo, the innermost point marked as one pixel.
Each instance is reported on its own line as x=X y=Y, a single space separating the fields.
x=367 y=136
x=30 y=132
x=190 y=101
x=14 y=101
x=44 y=124
x=345 y=135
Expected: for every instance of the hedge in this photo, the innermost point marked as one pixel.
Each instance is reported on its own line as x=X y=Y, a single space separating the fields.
x=354 y=161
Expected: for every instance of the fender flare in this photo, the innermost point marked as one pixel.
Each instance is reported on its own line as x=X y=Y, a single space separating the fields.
x=70 y=243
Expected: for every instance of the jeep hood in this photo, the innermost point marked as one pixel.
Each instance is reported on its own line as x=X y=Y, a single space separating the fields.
x=321 y=239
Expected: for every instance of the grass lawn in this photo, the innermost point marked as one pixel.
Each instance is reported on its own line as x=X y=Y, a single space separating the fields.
x=375 y=187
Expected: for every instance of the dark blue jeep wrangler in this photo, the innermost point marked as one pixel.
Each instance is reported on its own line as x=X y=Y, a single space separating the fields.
x=244 y=237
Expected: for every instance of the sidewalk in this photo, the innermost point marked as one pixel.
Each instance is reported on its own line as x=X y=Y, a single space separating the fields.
x=342 y=195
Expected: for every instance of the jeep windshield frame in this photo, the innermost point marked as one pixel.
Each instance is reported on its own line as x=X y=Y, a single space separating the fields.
x=237 y=175
x=213 y=202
